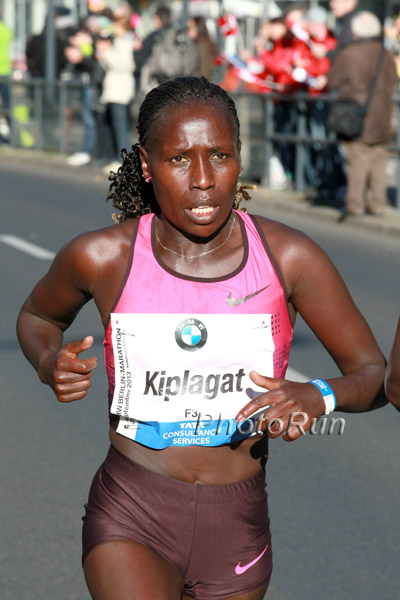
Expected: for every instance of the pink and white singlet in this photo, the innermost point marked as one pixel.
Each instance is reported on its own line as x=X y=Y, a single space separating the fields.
x=179 y=349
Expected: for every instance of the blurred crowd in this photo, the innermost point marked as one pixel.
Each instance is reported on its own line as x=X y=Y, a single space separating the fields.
x=315 y=51
x=106 y=53
x=355 y=59
x=118 y=58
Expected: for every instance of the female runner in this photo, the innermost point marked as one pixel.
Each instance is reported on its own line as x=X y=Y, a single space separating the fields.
x=198 y=300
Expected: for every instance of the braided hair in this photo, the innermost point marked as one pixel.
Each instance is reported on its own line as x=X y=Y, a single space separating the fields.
x=128 y=191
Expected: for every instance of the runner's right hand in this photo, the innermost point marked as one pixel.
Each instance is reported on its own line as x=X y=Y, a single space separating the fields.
x=66 y=373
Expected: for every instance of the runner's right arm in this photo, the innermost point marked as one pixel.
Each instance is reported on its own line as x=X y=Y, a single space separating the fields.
x=48 y=311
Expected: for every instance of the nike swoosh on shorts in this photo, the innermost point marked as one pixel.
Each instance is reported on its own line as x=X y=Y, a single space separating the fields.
x=240 y=570
x=236 y=301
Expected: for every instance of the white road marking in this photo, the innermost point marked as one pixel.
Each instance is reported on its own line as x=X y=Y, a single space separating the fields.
x=28 y=247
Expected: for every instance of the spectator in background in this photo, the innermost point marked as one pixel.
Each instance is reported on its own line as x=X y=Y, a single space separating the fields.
x=36 y=61
x=100 y=26
x=309 y=68
x=392 y=40
x=36 y=51
x=285 y=46
x=324 y=164
x=162 y=22
x=64 y=23
x=277 y=54
x=80 y=54
x=286 y=49
x=344 y=11
x=277 y=58
x=207 y=49
x=321 y=37
x=122 y=11
x=6 y=36
x=116 y=58
x=350 y=75
x=168 y=52
x=294 y=17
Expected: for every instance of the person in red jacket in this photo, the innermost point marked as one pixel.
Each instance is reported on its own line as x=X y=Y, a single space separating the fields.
x=324 y=164
x=320 y=35
x=311 y=40
x=277 y=59
x=277 y=55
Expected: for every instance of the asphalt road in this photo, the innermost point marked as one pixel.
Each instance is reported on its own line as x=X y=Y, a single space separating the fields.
x=333 y=499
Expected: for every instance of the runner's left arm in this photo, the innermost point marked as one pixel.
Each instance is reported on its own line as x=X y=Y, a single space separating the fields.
x=317 y=291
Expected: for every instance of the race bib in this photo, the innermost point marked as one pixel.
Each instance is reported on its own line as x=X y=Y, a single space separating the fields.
x=181 y=379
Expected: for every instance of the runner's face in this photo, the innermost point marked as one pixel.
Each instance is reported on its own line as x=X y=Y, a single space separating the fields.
x=194 y=159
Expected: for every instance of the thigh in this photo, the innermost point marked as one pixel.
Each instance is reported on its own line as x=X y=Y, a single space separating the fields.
x=257 y=594
x=126 y=570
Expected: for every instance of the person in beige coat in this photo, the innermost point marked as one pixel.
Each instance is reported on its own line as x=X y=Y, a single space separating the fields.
x=350 y=75
x=117 y=60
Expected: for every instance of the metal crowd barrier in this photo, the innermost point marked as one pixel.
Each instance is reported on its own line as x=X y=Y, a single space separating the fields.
x=301 y=137
x=46 y=115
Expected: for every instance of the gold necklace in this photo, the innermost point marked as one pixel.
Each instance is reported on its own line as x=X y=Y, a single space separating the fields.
x=202 y=253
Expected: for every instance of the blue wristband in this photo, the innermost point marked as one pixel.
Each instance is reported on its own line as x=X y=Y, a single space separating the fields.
x=327 y=393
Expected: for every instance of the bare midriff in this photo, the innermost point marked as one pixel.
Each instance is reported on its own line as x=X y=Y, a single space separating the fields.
x=211 y=466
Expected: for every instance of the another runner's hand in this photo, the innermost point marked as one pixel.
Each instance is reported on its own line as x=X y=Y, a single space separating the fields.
x=286 y=400
x=66 y=373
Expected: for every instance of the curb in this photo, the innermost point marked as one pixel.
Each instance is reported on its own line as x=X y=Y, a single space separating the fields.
x=387 y=224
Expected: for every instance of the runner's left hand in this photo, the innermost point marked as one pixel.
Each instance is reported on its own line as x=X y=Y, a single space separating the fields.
x=292 y=405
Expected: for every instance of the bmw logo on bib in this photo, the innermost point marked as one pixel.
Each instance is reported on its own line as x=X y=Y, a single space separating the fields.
x=191 y=334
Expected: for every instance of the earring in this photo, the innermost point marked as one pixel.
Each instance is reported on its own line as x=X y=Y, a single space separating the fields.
x=241 y=192
x=148 y=179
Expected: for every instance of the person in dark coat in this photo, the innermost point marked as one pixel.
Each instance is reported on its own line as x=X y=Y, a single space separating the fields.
x=36 y=52
x=344 y=11
x=350 y=76
x=36 y=55
x=162 y=21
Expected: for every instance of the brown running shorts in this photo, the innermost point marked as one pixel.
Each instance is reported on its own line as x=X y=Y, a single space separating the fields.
x=217 y=536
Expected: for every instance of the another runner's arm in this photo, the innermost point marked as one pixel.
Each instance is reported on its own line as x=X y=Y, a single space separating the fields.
x=392 y=379
x=48 y=311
